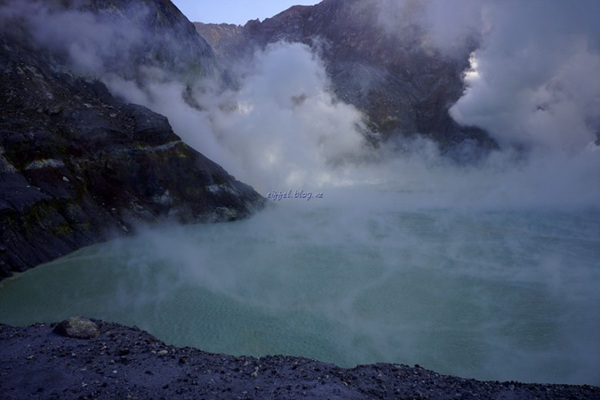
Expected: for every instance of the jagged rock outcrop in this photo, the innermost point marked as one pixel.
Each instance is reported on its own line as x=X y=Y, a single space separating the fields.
x=227 y=40
x=78 y=166
x=403 y=86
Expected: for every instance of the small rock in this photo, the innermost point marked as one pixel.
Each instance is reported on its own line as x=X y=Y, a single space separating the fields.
x=77 y=327
x=55 y=110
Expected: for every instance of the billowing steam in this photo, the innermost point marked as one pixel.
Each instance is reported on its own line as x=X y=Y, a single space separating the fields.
x=537 y=74
x=283 y=128
x=533 y=81
x=91 y=43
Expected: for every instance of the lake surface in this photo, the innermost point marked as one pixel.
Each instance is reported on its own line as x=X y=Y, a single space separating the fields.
x=361 y=275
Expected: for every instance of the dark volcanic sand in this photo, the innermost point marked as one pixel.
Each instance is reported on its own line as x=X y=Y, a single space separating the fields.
x=127 y=363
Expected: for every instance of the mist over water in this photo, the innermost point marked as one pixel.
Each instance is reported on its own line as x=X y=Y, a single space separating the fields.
x=487 y=270
x=490 y=294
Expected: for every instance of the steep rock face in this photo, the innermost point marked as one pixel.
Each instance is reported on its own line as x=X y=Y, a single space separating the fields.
x=403 y=86
x=226 y=40
x=78 y=166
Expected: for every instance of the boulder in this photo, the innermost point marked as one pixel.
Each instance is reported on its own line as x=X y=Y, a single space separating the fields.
x=77 y=327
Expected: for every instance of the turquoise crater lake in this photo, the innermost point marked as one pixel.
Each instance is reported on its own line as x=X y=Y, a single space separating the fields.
x=497 y=294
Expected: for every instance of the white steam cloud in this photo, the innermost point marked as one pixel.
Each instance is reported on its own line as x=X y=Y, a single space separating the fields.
x=288 y=126
x=534 y=78
x=92 y=42
x=283 y=128
x=536 y=82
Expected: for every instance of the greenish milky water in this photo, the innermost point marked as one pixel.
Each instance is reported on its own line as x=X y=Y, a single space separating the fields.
x=353 y=278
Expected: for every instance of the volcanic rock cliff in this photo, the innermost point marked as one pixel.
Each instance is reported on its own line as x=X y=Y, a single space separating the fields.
x=99 y=37
x=403 y=85
x=77 y=165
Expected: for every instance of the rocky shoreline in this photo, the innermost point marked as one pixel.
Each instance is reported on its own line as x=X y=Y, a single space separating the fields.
x=42 y=361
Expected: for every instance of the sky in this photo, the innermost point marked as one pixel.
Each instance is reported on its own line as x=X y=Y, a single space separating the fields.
x=235 y=11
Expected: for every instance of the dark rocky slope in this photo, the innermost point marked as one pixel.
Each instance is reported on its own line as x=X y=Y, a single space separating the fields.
x=127 y=363
x=78 y=166
x=99 y=37
x=402 y=85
